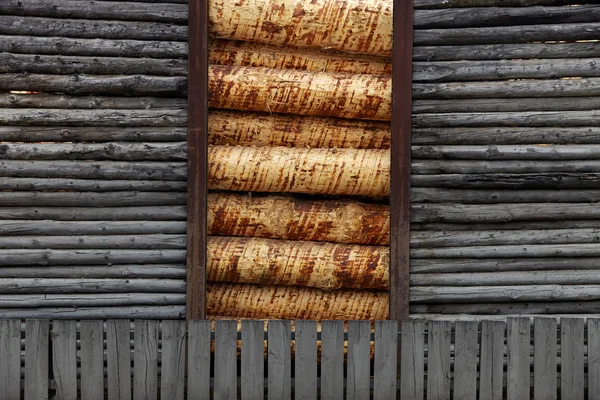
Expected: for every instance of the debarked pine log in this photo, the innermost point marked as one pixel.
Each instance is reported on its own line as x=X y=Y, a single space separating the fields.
x=295 y=170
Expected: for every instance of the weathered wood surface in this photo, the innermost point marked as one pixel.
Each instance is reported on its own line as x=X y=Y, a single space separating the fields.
x=79 y=199
x=118 y=359
x=465 y=360
x=332 y=360
x=517 y=358
x=142 y=312
x=252 y=382
x=43 y=100
x=90 y=300
x=572 y=358
x=504 y=105
x=385 y=368
x=79 y=285
x=508 y=278
x=593 y=345
x=564 y=224
x=121 y=118
x=36 y=358
x=507 y=152
x=91 y=257
x=75 y=191
x=509 y=251
x=529 y=181
x=503 y=264
x=145 y=360
x=92 y=360
x=64 y=358
x=32 y=228
x=358 y=368
x=488 y=3
x=279 y=359
x=500 y=195
x=305 y=360
x=157 y=241
x=544 y=358
x=225 y=382
x=509 y=119
x=198 y=360
x=412 y=360
x=157 y=213
x=491 y=360
x=173 y=360
x=438 y=360
x=10 y=359
x=99 y=271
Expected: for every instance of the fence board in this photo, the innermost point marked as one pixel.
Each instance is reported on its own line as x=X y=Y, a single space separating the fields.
x=253 y=360
x=593 y=358
x=64 y=359
x=544 y=358
x=173 y=360
x=517 y=372
x=225 y=384
x=332 y=360
x=10 y=359
x=465 y=360
x=359 y=365
x=571 y=357
x=118 y=359
x=412 y=361
x=385 y=369
x=438 y=361
x=198 y=360
x=92 y=360
x=145 y=360
x=279 y=380
x=305 y=387
x=36 y=359
x=491 y=373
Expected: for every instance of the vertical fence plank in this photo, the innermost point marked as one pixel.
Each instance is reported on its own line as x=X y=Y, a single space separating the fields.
x=593 y=325
x=438 y=361
x=10 y=359
x=64 y=359
x=225 y=385
x=118 y=359
x=305 y=387
x=412 y=360
x=518 y=337
x=36 y=359
x=92 y=360
x=571 y=357
x=145 y=360
x=385 y=368
x=173 y=360
x=491 y=374
x=332 y=360
x=544 y=358
x=198 y=360
x=465 y=360
x=253 y=360
x=359 y=365
x=279 y=341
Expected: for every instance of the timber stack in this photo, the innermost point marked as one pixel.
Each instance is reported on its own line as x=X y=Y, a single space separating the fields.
x=504 y=172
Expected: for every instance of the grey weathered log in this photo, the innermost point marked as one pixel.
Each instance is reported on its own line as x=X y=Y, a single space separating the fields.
x=485 y=311
x=90 y=300
x=487 y=3
x=506 y=105
x=62 y=65
x=156 y=241
x=93 y=134
x=156 y=213
x=118 y=151
x=443 y=266
x=125 y=271
x=575 y=277
x=450 y=71
x=81 y=28
x=506 y=51
x=131 y=189
x=88 y=9
x=93 y=47
x=510 y=251
x=514 y=226
x=85 y=199
x=74 y=285
x=142 y=312
x=529 y=181
x=508 y=152
x=133 y=85
x=44 y=100
x=510 y=119
x=506 y=34
x=470 y=17
x=502 y=195
x=509 y=135
x=13 y=228
x=90 y=257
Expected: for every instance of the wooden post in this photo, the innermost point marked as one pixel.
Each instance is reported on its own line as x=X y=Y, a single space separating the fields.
x=400 y=158
x=197 y=158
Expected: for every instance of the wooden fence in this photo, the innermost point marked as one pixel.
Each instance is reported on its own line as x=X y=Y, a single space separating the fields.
x=146 y=359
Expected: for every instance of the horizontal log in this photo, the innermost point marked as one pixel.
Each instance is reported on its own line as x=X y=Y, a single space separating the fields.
x=87 y=9
x=510 y=251
x=104 y=271
x=292 y=218
x=513 y=226
x=508 y=152
x=118 y=151
x=146 y=242
x=500 y=195
x=297 y=263
x=488 y=3
x=529 y=181
x=105 y=170
x=504 y=167
x=90 y=300
x=510 y=119
x=51 y=64
x=508 y=135
x=14 y=228
x=294 y=170
x=567 y=308
x=506 y=51
x=91 y=257
x=43 y=100
x=133 y=85
x=153 y=213
x=287 y=302
x=506 y=105
x=497 y=265
x=57 y=286
x=575 y=277
x=130 y=192
x=131 y=312
x=81 y=28
x=355 y=96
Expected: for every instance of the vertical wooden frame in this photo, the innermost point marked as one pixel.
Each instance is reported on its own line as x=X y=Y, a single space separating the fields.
x=400 y=159
x=197 y=158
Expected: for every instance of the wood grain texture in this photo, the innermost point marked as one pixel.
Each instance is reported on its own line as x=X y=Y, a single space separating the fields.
x=465 y=360
x=385 y=368
x=332 y=360
x=64 y=358
x=572 y=358
x=225 y=382
x=172 y=380
x=92 y=360
x=198 y=360
x=10 y=359
x=412 y=360
x=145 y=360
x=544 y=358
x=491 y=359
x=359 y=365
x=305 y=360
x=517 y=356
x=438 y=360
x=279 y=378
x=118 y=359
x=36 y=359
x=593 y=357
x=253 y=360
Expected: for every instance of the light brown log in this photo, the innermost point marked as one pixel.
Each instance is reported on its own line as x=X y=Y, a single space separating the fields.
x=227 y=52
x=44 y=100
x=71 y=285
x=352 y=96
x=506 y=105
x=282 y=169
x=529 y=181
x=127 y=271
x=151 y=213
x=507 y=152
x=464 y=265
x=51 y=228
x=575 y=277
x=147 y=242
x=283 y=217
x=297 y=263
x=88 y=185
x=288 y=302
x=90 y=300
x=91 y=257
x=135 y=312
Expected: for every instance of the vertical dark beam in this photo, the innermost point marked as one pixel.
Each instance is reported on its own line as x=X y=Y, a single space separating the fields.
x=197 y=158
x=400 y=162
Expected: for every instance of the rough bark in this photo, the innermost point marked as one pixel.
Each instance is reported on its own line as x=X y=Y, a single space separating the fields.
x=89 y=257
x=510 y=119
x=294 y=170
x=529 y=182
x=352 y=96
x=287 y=302
x=157 y=241
x=297 y=263
x=502 y=195
x=443 y=266
x=507 y=152
x=575 y=277
x=283 y=217
x=128 y=189
x=44 y=100
x=15 y=228
x=90 y=300
x=153 y=213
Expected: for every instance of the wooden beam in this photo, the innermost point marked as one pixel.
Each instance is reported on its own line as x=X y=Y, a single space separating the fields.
x=400 y=159
x=197 y=158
